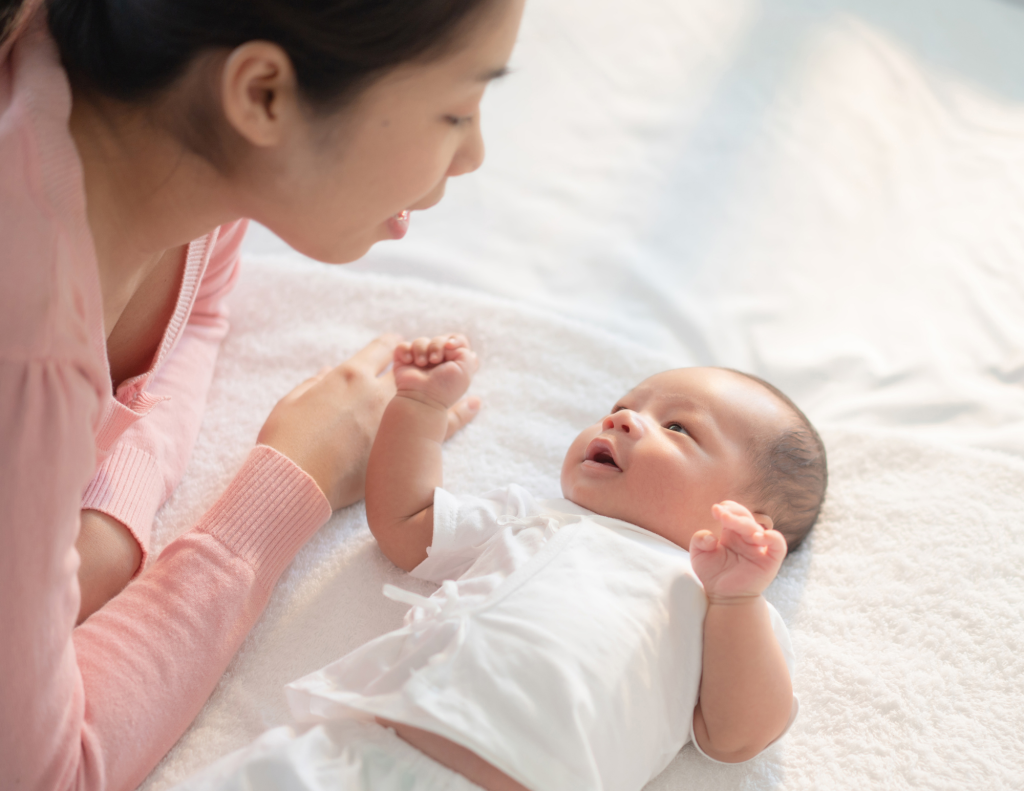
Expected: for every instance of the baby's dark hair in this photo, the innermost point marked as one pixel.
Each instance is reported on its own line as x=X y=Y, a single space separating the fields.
x=791 y=472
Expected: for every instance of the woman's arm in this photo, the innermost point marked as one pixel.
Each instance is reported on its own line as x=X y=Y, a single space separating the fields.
x=98 y=706
x=147 y=461
x=405 y=464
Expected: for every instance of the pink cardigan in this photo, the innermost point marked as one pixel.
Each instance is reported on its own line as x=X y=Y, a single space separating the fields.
x=96 y=707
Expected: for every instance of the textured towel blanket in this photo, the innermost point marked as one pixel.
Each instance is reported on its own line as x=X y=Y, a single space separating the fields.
x=905 y=606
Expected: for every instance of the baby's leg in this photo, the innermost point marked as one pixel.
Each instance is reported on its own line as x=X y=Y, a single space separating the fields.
x=344 y=755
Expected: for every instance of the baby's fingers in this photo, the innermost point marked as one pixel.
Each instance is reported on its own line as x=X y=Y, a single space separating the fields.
x=775 y=544
x=708 y=555
x=703 y=541
x=738 y=521
x=403 y=353
x=442 y=346
x=421 y=351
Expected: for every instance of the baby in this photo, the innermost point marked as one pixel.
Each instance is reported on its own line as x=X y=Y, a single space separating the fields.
x=578 y=643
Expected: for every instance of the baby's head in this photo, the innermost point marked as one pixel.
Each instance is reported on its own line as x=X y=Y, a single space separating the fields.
x=683 y=440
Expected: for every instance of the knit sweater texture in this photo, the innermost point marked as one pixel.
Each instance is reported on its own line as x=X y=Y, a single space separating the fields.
x=96 y=707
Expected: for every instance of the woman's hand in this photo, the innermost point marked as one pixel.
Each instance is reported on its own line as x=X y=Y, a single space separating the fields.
x=327 y=424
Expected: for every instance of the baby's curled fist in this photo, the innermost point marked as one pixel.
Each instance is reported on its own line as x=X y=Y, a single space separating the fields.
x=436 y=370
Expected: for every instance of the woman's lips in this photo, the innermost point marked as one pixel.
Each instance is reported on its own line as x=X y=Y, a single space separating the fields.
x=398 y=224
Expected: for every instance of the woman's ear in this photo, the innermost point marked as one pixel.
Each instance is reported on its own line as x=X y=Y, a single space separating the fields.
x=259 y=91
x=765 y=521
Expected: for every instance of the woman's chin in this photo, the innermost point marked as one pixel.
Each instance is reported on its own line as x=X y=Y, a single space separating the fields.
x=350 y=247
x=337 y=251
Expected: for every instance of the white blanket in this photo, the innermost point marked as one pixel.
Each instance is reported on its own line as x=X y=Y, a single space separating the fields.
x=905 y=606
x=828 y=193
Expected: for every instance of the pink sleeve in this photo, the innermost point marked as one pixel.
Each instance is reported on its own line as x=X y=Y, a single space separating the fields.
x=147 y=461
x=97 y=707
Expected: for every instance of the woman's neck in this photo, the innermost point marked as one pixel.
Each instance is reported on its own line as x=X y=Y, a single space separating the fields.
x=145 y=194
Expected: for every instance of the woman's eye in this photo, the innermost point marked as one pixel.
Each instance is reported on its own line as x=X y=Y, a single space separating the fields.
x=677 y=427
x=458 y=120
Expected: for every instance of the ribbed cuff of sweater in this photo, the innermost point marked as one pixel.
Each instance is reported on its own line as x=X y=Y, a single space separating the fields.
x=129 y=487
x=267 y=513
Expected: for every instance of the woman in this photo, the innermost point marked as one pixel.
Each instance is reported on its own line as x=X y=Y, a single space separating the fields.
x=134 y=135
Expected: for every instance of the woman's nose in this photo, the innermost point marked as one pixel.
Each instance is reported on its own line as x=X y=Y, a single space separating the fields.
x=627 y=421
x=470 y=154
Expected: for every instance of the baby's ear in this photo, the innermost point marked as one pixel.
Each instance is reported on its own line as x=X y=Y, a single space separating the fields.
x=764 y=520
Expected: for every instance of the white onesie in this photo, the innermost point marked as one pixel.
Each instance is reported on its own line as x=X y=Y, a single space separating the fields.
x=563 y=647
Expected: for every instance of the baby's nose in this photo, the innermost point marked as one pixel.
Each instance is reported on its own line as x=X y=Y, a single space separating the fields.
x=627 y=421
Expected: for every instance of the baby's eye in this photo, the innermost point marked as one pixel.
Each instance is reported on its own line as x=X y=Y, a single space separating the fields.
x=677 y=427
x=458 y=120
x=618 y=408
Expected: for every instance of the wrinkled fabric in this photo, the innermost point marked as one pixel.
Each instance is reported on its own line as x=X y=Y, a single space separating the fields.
x=563 y=647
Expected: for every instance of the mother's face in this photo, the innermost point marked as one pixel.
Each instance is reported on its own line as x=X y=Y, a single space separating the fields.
x=333 y=186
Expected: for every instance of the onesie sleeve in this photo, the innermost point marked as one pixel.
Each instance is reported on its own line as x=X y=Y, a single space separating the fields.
x=147 y=461
x=782 y=635
x=463 y=525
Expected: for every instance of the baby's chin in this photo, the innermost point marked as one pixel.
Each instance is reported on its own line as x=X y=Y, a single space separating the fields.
x=592 y=501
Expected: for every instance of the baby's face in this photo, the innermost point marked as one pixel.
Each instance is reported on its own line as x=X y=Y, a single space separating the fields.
x=671 y=448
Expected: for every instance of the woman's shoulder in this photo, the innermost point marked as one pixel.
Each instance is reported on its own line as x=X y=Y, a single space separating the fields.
x=50 y=304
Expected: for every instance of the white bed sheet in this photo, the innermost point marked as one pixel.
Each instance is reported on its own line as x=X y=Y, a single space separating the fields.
x=829 y=193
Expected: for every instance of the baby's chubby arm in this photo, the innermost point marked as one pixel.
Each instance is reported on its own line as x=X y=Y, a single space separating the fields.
x=745 y=691
x=431 y=375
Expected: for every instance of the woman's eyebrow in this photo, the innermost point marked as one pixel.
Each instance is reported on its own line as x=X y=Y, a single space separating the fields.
x=493 y=74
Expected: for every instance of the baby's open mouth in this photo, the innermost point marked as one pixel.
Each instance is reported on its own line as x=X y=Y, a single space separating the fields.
x=599 y=453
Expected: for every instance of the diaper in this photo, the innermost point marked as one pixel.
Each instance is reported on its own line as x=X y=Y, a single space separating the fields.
x=344 y=755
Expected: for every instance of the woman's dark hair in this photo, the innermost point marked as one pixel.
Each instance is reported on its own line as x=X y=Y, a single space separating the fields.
x=131 y=49
x=8 y=13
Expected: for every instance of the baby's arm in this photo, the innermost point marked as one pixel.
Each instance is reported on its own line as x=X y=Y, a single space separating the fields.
x=405 y=463
x=745 y=691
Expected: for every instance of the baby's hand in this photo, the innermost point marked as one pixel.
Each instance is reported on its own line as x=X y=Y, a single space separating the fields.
x=742 y=562
x=436 y=370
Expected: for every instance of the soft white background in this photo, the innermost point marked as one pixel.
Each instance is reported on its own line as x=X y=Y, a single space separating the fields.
x=829 y=193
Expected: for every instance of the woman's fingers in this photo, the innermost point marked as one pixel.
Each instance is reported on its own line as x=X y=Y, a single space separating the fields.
x=387 y=382
x=302 y=387
x=377 y=354
x=461 y=414
x=328 y=423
